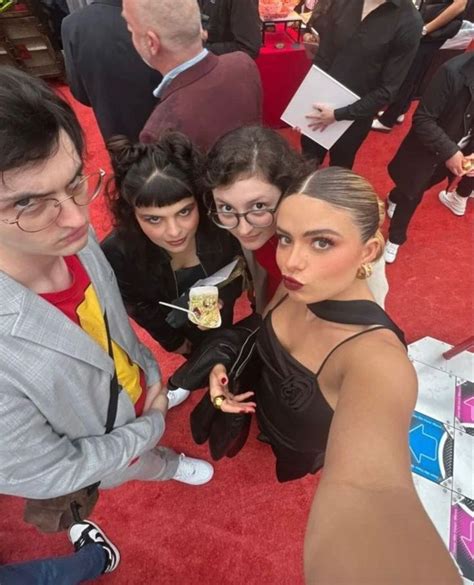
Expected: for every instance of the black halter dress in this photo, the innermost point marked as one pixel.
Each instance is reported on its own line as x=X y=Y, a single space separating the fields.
x=292 y=412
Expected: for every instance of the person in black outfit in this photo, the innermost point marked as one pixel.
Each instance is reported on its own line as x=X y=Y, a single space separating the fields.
x=335 y=386
x=438 y=146
x=368 y=46
x=232 y=25
x=443 y=19
x=163 y=242
x=104 y=70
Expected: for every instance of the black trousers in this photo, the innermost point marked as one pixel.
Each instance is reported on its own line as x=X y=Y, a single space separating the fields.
x=343 y=153
x=408 y=202
x=409 y=88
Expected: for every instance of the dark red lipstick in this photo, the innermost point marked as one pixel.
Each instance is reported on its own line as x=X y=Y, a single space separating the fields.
x=291 y=284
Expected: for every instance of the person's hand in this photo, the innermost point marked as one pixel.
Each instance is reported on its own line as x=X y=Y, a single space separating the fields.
x=321 y=117
x=454 y=164
x=185 y=348
x=218 y=386
x=310 y=38
x=157 y=398
x=469 y=158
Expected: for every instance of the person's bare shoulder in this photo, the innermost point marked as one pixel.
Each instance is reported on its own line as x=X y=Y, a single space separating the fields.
x=378 y=358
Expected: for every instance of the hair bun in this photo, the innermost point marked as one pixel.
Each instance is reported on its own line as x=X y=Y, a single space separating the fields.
x=123 y=154
x=180 y=151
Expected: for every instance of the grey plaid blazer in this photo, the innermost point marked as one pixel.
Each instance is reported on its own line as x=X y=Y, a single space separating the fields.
x=55 y=387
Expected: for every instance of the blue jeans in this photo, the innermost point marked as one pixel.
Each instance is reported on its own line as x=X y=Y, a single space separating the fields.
x=87 y=563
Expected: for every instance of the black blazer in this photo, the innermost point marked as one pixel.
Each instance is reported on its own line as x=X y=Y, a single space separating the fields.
x=151 y=279
x=444 y=116
x=104 y=70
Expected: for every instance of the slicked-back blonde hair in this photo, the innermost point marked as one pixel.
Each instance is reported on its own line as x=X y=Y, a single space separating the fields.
x=346 y=190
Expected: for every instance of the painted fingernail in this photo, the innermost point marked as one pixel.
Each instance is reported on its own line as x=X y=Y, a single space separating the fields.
x=223 y=380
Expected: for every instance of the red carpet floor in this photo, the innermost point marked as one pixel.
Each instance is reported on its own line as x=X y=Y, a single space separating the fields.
x=244 y=527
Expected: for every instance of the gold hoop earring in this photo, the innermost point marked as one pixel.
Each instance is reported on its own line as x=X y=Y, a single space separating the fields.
x=365 y=271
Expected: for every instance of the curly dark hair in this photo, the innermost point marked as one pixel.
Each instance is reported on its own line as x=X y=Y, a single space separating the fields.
x=254 y=150
x=152 y=175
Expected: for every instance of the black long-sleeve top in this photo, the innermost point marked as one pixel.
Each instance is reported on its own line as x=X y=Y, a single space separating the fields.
x=446 y=111
x=233 y=25
x=370 y=57
x=145 y=280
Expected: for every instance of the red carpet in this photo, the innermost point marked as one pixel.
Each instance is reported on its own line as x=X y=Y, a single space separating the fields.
x=244 y=527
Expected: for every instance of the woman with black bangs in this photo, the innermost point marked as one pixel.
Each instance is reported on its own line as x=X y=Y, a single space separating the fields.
x=163 y=241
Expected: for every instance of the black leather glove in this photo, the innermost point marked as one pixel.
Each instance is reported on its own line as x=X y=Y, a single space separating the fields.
x=229 y=347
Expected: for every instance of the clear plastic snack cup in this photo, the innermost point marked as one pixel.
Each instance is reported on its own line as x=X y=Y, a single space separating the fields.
x=204 y=307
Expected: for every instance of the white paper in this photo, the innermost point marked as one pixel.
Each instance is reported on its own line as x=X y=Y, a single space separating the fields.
x=217 y=277
x=319 y=87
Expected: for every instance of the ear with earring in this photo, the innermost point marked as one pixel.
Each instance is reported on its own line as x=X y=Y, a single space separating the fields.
x=365 y=271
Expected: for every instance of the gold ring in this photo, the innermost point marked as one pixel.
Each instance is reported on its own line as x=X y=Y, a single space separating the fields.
x=217 y=401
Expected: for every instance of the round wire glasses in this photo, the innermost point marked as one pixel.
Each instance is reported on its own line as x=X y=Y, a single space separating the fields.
x=42 y=213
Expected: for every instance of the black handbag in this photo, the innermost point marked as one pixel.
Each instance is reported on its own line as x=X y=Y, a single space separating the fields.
x=235 y=349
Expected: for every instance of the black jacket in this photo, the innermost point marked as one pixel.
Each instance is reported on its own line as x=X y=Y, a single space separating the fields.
x=104 y=70
x=444 y=116
x=232 y=25
x=144 y=283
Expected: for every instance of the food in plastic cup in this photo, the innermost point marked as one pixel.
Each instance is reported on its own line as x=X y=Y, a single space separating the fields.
x=204 y=307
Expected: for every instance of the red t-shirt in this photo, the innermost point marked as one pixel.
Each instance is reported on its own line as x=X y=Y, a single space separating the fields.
x=266 y=257
x=80 y=303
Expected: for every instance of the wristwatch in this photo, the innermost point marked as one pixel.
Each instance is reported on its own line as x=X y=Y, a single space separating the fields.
x=424 y=31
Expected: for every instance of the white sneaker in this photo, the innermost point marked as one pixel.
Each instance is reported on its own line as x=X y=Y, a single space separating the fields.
x=453 y=202
x=177 y=396
x=86 y=532
x=391 y=251
x=377 y=125
x=401 y=119
x=390 y=207
x=193 y=471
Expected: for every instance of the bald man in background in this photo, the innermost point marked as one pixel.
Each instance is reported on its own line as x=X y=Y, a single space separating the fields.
x=202 y=95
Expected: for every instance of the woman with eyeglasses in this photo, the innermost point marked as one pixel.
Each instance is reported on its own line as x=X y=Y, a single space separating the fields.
x=163 y=242
x=248 y=170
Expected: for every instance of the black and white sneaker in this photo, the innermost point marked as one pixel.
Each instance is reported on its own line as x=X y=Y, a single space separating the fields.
x=86 y=532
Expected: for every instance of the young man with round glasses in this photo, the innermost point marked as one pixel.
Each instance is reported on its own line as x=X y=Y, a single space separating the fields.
x=81 y=400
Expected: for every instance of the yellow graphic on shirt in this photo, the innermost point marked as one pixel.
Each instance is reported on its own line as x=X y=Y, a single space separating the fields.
x=92 y=322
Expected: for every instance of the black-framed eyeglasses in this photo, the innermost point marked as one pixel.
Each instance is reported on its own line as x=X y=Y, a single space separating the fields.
x=229 y=220
x=42 y=213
